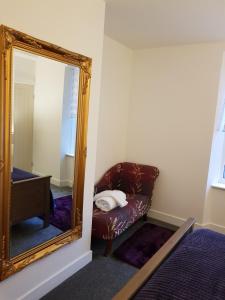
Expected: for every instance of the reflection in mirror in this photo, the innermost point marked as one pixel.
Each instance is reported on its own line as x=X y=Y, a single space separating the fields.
x=44 y=117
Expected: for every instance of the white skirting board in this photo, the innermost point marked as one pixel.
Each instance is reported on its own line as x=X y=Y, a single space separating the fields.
x=56 y=181
x=53 y=281
x=177 y=221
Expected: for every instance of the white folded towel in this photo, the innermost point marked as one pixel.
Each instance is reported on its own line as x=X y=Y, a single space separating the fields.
x=109 y=199
x=106 y=203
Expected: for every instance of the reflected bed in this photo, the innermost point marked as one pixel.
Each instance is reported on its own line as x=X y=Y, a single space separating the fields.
x=30 y=197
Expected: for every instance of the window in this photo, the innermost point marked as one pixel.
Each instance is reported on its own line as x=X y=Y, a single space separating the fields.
x=220 y=143
x=70 y=106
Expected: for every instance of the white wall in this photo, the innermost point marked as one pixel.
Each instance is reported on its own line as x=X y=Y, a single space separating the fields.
x=171 y=104
x=114 y=105
x=22 y=115
x=68 y=172
x=78 y=26
x=171 y=122
x=48 y=106
x=24 y=69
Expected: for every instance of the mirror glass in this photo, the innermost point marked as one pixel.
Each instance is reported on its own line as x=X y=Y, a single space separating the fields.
x=43 y=131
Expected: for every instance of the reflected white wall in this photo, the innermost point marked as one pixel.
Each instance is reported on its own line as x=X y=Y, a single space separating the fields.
x=48 y=102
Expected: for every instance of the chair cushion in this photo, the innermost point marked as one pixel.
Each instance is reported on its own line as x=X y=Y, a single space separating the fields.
x=108 y=225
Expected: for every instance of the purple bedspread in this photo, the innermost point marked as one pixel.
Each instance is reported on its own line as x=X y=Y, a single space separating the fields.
x=62 y=213
x=194 y=271
x=19 y=174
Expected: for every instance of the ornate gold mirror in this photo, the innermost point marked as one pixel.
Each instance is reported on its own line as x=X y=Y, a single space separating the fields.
x=44 y=91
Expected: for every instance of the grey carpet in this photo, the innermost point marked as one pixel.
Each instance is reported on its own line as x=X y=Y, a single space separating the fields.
x=100 y=279
x=103 y=277
x=29 y=234
x=60 y=191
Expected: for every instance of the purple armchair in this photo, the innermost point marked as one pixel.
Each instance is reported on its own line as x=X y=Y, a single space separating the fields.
x=137 y=181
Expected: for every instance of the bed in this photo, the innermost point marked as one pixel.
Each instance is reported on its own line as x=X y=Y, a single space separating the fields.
x=190 y=266
x=30 y=197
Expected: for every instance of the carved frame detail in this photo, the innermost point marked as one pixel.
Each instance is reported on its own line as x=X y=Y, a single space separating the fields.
x=10 y=39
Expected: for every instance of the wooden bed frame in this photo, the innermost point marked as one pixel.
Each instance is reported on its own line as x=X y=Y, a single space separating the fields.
x=30 y=198
x=138 y=280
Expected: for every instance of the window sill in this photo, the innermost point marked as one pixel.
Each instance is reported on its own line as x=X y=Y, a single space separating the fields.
x=69 y=154
x=220 y=186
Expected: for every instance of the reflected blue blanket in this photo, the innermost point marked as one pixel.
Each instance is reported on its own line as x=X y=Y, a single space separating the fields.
x=19 y=174
x=194 y=271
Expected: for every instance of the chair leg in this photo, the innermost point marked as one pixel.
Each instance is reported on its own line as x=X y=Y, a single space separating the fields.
x=46 y=221
x=145 y=217
x=108 y=248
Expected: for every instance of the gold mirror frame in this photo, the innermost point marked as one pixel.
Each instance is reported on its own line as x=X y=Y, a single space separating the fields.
x=10 y=39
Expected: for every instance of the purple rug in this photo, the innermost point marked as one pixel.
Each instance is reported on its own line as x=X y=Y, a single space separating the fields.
x=62 y=213
x=143 y=244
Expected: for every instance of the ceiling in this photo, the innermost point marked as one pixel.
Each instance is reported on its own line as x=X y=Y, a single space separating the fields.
x=153 y=23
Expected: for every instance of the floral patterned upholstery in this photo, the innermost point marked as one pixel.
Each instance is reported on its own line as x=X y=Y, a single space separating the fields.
x=137 y=181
